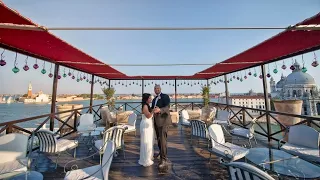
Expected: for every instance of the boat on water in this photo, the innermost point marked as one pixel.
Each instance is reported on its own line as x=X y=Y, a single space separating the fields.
x=9 y=100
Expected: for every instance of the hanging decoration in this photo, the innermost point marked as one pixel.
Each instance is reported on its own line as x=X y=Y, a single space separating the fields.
x=64 y=73
x=78 y=77
x=245 y=74
x=304 y=69
x=15 y=69
x=26 y=67
x=275 y=70
x=36 y=66
x=284 y=67
x=43 y=71
x=255 y=73
x=249 y=73
x=69 y=73
x=315 y=63
x=2 y=61
x=73 y=77
x=268 y=74
x=50 y=74
x=88 y=79
x=292 y=66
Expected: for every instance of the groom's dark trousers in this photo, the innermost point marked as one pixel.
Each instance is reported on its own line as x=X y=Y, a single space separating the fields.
x=162 y=121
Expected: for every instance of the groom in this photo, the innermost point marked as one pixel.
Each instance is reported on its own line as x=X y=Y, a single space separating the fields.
x=162 y=119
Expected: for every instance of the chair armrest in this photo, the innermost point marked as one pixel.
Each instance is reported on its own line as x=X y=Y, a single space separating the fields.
x=218 y=142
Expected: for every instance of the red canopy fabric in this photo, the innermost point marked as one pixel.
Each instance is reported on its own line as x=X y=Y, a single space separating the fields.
x=284 y=45
x=46 y=46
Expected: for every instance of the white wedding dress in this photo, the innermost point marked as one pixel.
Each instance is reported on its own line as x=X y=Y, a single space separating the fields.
x=146 y=141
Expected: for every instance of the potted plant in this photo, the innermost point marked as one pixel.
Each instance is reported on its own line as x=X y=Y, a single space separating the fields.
x=109 y=93
x=206 y=111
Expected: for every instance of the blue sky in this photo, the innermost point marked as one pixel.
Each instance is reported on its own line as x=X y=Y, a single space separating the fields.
x=123 y=47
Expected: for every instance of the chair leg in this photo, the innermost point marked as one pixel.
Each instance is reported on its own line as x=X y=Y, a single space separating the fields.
x=250 y=143
x=57 y=160
x=255 y=139
x=100 y=158
x=124 y=153
x=74 y=152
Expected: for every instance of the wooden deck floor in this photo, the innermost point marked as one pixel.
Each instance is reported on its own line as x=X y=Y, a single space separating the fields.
x=188 y=161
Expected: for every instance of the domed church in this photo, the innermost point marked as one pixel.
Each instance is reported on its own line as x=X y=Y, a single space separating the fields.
x=298 y=85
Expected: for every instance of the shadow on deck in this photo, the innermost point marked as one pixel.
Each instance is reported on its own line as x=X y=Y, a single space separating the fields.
x=188 y=161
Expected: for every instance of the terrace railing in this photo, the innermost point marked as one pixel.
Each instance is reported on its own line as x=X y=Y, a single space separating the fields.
x=240 y=116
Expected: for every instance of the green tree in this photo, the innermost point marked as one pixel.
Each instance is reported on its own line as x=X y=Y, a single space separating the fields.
x=109 y=93
x=205 y=95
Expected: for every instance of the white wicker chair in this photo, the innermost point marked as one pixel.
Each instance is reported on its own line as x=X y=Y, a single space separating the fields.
x=96 y=172
x=116 y=135
x=245 y=171
x=247 y=132
x=13 y=153
x=227 y=151
x=199 y=130
x=131 y=126
x=222 y=118
x=303 y=141
x=49 y=143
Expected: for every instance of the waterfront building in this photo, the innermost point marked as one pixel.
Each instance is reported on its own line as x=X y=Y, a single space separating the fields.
x=298 y=85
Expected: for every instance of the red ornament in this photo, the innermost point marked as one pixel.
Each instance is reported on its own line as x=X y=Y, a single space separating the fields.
x=50 y=75
x=26 y=67
x=268 y=75
x=249 y=73
x=292 y=67
x=73 y=77
x=284 y=67
x=2 y=62
x=35 y=66
x=245 y=77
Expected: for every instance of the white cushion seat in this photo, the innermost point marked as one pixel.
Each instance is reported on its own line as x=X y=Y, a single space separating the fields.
x=19 y=165
x=236 y=152
x=308 y=153
x=98 y=144
x=82 y=173
x=64 y=144
x=221 y=122
x=241 y=132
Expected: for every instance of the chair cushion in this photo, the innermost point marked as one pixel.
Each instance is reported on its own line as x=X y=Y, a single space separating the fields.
x=64 y=144
x=82 y=173
x=307 y=153
x=185 y=122
x=17 y=165
x=241 y=132
x=98 y=144
x=237 y=152
x=129 y=128
x=221 y=122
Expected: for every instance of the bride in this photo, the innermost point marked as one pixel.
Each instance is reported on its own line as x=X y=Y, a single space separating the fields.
x=146 y=132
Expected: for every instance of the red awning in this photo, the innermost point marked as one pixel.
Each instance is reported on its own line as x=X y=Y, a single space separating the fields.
x=46 y=46
x=284 y=45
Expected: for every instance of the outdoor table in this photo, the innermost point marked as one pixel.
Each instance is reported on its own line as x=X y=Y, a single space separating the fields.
x=282 y=163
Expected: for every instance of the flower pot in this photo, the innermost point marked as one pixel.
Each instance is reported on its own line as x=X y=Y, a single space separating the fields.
x=288 y=106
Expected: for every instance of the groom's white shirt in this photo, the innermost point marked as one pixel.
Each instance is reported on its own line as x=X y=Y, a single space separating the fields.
x=155 y=102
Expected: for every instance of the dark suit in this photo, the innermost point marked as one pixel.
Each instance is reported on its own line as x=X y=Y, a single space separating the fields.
x=161 y=123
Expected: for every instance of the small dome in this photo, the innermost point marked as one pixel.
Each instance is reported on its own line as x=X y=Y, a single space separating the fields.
x=299 y=77
x=281 y=83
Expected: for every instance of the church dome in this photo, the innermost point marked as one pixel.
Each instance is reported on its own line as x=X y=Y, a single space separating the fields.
x=299 y=77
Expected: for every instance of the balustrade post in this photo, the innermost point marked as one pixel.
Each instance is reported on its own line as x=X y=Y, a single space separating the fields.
x=54 y=95
x=125 y=106
x=192 y=105
x=266 y=100
x=91 y=93
x=9 y=129
x=175 y=94
x=244 y=116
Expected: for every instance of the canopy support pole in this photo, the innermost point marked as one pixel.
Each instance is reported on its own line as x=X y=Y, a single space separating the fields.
x=266 y=100
x=109 y=84
x=175 y=94
x=54 y=95
x=226 y=89
x=91 y=93
x=142 y=87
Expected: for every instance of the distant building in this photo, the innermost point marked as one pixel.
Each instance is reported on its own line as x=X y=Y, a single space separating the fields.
x=29 y=94
x=298 y=85
x=249 y=101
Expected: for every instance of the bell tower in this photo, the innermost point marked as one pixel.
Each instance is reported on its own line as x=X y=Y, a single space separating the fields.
x=29 y=90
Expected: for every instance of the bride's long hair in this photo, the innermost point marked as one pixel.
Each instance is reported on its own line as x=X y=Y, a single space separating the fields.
x=145 y=98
